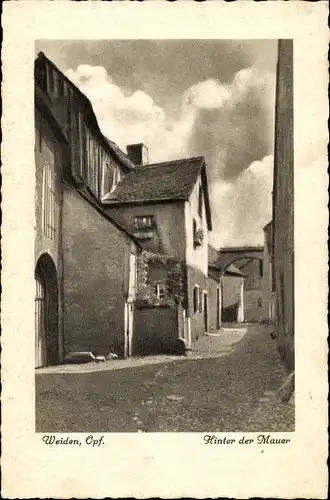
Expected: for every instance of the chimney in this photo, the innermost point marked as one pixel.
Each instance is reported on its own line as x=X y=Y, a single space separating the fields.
x=138 y=154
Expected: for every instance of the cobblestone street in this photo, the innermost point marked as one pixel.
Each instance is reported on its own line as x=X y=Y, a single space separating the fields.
x=227 y=384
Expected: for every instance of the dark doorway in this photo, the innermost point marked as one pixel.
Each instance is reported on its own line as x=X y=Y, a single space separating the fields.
x=218 y=308
x=205 y=312
x=46 y=313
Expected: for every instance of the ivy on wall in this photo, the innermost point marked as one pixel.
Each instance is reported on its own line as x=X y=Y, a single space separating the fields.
x=174 y=271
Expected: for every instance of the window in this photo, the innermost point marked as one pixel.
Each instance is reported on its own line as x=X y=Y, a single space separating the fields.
x=143 y=221
x=116 y=178
x=160 y=291
x=105 y=187
x=200 y=202
x=259 y=303
x=196 y=298
x=198 y=235
x=48 y=201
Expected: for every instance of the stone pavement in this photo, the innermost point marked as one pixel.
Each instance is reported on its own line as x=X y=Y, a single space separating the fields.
x=209 y=345
x=226 y=385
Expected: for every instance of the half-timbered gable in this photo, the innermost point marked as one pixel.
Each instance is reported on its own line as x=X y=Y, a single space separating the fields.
x=96 y=162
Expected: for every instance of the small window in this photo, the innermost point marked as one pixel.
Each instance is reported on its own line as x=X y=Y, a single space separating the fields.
x=259 y=303
x=160 y=291
x=143 y=221
x=196 y=298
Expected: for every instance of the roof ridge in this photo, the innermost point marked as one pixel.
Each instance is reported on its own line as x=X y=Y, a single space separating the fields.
x=180 y=160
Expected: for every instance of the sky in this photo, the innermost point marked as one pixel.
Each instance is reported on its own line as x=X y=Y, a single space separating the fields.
x=183 y=98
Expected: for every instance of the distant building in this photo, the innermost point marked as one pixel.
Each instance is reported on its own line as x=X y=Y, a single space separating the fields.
x=249 y=261
x=283 y=204
x=226 y=291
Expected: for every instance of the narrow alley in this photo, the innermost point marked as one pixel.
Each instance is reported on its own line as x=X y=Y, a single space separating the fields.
x=227 y=384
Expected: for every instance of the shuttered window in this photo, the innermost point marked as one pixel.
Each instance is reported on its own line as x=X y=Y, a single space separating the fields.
x=48 y=201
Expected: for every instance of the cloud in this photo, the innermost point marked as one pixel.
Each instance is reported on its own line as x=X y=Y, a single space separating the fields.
x=242 y=207
x=230 y=124
x=239 y=130
x=131 y=116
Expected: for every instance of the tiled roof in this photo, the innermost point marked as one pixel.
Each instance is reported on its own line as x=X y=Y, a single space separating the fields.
x=213 y=257
x=171 y=180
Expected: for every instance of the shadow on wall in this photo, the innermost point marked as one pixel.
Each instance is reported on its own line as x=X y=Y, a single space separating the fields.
x=230 y=313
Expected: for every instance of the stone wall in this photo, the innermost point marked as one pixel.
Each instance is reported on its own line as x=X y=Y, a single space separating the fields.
x=214 y=296
x=155 y=330
x=96 y=269
x=283 y=204
x=197 y=319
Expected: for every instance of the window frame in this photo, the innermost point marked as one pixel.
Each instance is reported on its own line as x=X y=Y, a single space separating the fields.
x=157 y=289
x=143 y=226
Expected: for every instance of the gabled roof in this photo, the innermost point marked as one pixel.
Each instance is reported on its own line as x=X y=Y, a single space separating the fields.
x=127 y=164
x=233 y=271
x=160 y=182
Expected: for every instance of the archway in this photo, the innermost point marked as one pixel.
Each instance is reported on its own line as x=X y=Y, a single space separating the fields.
x=242 y=298
x=246 y=259
x=46 y=313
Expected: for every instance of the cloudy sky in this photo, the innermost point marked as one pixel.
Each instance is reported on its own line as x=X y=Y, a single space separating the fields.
x=212 y=98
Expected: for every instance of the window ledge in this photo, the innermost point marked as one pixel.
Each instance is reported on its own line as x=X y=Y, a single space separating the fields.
x=143 y=235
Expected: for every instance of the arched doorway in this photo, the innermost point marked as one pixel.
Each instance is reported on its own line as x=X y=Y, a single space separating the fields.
x=46 y=313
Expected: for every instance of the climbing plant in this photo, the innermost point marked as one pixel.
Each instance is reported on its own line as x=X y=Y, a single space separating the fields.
x=174 y=271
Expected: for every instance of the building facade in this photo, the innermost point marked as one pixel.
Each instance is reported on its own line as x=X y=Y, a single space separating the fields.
x=85 y=261
x=166 y=206
x=283 y=204
x=50 y=155
x=268 y=278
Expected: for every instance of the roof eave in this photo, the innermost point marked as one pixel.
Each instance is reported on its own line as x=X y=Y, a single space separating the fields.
x=115 y=203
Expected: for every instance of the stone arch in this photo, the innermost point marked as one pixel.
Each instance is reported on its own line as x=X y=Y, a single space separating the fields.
x=241 y=257
x=46 y=312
